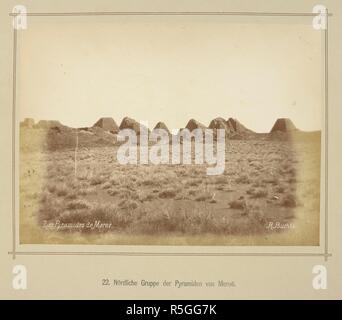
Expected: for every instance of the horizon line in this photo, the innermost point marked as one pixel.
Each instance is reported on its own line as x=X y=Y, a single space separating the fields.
x=161 y=121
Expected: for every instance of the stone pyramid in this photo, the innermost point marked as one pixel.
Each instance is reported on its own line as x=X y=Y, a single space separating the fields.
x=129 y=123
x=162 y=125
x=283 y=125
x=194 y=124
x=107 y=124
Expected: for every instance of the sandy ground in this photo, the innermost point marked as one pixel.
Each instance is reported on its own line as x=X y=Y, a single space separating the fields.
x=268 y=195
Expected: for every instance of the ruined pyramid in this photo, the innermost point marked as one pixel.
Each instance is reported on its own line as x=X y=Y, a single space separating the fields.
x=194 y=124
x=235 y=127
x=162 y=125
x=129 y=123
x=283 y=125
x=107 y=124
x=218 y=123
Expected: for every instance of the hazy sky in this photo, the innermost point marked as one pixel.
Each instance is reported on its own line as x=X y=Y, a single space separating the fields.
x=169 y=69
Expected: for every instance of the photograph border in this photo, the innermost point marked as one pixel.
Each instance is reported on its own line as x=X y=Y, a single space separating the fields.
x=14 y=252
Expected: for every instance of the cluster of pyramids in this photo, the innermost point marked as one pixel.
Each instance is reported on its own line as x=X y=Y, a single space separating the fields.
x=106 y=129
x=104 y=132
x=231 y=126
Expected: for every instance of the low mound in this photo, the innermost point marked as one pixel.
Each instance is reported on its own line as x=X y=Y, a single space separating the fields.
x=107 y=124
x=283 y=125
x=27 y=123
x=47 y=124
x=64 y=138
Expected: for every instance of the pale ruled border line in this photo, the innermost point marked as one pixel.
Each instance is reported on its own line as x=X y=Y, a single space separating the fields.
x=171 y=13
x=326 y=106
x=165 y=254
x=326 y=253
x=14 y=93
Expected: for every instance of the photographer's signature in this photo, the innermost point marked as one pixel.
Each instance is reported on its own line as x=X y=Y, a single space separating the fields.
x=274 y=225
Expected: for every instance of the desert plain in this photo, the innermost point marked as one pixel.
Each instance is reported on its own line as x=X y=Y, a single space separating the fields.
x=74 y=191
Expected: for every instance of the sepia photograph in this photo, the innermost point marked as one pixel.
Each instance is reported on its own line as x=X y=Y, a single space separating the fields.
x=161 y=150
x=170 y=130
